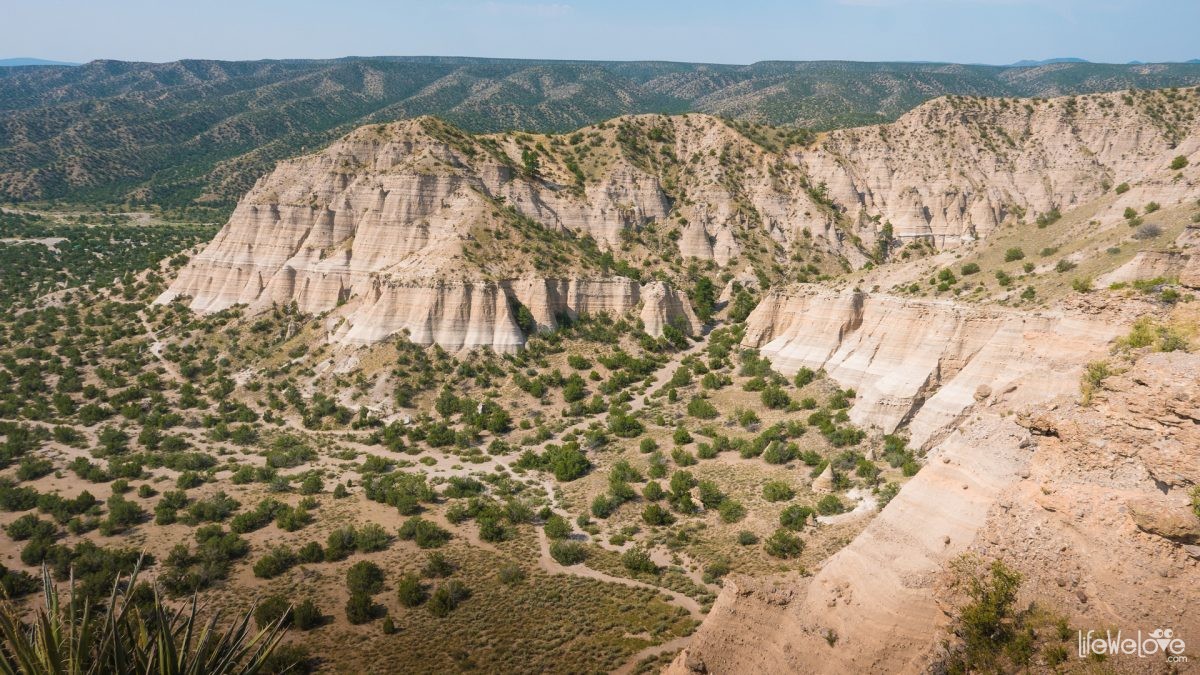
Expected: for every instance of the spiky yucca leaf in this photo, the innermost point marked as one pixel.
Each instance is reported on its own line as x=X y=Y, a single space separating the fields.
x=75 y=639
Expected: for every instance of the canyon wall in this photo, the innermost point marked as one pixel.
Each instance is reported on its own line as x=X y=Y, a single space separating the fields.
x=925 y=363
x=954 y=375
x=452 y=222
x=953 y=169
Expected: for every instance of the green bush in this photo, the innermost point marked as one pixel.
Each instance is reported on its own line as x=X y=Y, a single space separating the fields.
x=360 y=609
x=1013 y=254
x=425 y=533
x=447 y=598
x=437 y=566
x=410 y=591
x=364 y=576
x=830 y=505
x=278 y=561
x=731 y=511
x=777 y=491
x=638 y=560
x=795 y=517
x=568 y=552
x=783 y=544
x=557 y=527
x=702 y=409
x=274 y=608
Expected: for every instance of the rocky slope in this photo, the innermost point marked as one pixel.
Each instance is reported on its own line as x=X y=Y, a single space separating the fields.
x=925 y=364
x=1089 y=503
x=416 y=225
x=953 y=170
x=440 y=231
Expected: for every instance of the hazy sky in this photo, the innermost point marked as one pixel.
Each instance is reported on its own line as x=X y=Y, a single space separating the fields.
x=743 y=31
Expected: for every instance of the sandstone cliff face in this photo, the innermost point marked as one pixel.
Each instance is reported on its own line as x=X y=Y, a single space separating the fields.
x=924 y=363
x=953 y=169
x=1181 y=262
x=1101 y=524
x=481 y=314
x=953 y=374
x=452 y=222
x=876 y=596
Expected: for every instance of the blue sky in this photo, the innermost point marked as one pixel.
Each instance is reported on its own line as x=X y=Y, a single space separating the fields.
x=972 y=31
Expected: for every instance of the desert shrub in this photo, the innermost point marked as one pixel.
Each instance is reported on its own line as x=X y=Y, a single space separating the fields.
x=568 y=552
x=557 y=527
x=777 y=491
x=189 y=570
x=702 y=409
x=340 y=543
x=510 y=574
x=1093 y=375
x=30 y=526
x=887 y=493
x=274 y=608
x=638 y=560
x=731 y=511
x=969 y=269
x=275 y=563
x=437 y=566
x=360 y=609
x=795 y=517
x=425 y=533
x=1013 y=254
x=447 y=598
x=1147 y=231
x=306 y=615
x=290 y=519
x=830 y=505
x=370 y=538
x=410 y=591
x=747 y=538
x=783 y=544
x=364 y=576
x=989 y=624
x=311 y=553
x=775 y=398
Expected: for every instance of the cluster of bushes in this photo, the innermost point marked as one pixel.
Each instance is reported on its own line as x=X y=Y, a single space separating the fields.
x=567 y=462
x=189 y=570
x=405 y=491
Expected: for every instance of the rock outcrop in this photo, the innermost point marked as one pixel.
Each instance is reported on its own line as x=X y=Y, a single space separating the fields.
x=454 y=221
x=954 y=374
x=924 y=363
x=1102 y=525
x=871 y=607
x=952 y=170
x=1180 y=263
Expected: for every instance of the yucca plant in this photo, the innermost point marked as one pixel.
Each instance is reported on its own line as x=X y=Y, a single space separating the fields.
x=76 y=637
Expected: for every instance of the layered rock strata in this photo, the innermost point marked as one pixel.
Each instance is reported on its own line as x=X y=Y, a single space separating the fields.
x=952 y=170
x=924 y=363
x=954 y=375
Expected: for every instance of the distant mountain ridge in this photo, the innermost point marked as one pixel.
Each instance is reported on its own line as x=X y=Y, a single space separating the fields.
x=27 y=61
x=187 y=131
x=1025 y=63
